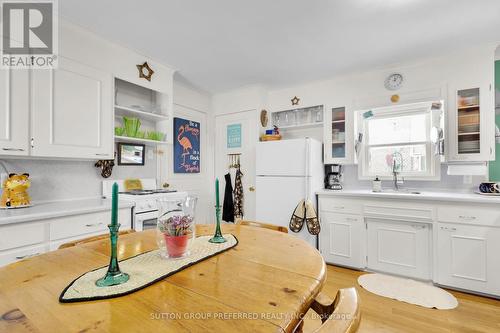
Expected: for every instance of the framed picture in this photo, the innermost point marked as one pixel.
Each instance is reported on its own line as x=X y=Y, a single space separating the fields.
x=186 y=146
x=131 y=153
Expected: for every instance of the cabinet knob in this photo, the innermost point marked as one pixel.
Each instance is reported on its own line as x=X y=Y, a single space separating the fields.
x=251 y=189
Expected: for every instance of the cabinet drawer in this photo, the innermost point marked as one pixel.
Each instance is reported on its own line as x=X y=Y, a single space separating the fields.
x=340 y=206
x=8 y=257
x=21 y=235
x=469 y=215
x=71 y=226
x=400 y=211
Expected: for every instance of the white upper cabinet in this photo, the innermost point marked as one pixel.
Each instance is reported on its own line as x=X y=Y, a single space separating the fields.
x=471 y=123
x=338 y=135
x=14 y=112
x=72 y=112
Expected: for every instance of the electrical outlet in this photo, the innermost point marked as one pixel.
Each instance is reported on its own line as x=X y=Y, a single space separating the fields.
x=150 y=154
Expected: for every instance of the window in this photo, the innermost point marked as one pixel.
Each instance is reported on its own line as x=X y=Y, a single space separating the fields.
x=398 y=139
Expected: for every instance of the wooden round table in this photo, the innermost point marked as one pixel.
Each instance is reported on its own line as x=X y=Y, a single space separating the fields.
x=263 y=284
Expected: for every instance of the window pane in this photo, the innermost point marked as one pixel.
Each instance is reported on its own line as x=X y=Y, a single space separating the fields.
x=408 y=158
x=411 y=128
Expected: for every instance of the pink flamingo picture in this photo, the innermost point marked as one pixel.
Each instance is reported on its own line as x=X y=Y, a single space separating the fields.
x=185 y=143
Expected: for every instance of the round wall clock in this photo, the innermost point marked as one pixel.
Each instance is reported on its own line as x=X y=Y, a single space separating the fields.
x=394 y=81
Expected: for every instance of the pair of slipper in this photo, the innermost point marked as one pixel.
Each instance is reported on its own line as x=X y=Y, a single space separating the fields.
x=305 y=213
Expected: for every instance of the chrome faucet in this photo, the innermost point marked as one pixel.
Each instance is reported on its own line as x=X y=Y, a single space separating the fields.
x=395 y=168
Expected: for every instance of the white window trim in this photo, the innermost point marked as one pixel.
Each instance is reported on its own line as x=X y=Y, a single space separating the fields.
x=434 y=167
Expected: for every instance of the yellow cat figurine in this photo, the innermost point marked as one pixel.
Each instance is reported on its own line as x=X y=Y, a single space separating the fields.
x=15 y=191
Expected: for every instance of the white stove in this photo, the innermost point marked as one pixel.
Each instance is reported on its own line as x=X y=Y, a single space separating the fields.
x=145 y=212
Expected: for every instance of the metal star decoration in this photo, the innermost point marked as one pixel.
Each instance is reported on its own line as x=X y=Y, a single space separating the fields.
x=295 y=100
x=145 y=71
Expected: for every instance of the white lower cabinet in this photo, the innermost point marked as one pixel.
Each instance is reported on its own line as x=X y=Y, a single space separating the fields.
x=399 y=247
x=467 y=257
x=342 y=239
x=24 y=240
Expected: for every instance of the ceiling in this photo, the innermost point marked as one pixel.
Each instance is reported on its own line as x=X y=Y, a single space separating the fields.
x=219 y=45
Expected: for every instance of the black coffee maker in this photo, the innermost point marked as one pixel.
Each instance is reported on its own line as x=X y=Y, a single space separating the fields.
x=333 y=175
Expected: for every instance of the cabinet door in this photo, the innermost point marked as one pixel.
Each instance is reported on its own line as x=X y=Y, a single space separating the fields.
x=14 y=112
x=401 y=248
x=471 y=124
x=338 y=132
x=72 y=112
x=342 y=239
x=467 y=257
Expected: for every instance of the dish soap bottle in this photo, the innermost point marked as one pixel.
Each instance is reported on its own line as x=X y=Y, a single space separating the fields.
x=377 y=185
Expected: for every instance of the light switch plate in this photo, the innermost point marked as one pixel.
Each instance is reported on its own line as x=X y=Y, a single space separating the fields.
x=150 y=154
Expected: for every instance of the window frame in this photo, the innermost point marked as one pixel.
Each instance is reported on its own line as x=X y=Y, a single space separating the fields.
x=432 y=161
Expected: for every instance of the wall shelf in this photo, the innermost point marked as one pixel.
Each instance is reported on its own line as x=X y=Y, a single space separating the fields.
x=301 y=126
x=138 y=140
x=131 y=112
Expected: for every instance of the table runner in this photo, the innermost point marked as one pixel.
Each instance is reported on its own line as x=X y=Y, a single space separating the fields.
x=144 y=269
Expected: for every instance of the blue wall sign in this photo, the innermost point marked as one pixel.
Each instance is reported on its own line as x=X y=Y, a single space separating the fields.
x=234 y=136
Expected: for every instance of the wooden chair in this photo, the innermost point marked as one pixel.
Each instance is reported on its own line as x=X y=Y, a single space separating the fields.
x=340 y=316
x=263 y=225
x=92 y=238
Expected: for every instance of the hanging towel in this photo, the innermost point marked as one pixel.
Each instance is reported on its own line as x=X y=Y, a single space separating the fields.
x=238 y=195
x=298 y=217
x=312 y=219
x=228 y=205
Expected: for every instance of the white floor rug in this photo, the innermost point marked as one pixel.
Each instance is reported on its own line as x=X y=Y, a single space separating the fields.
x=408 y=290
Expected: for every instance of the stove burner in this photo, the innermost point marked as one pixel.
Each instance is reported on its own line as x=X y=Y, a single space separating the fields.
x=146 y=192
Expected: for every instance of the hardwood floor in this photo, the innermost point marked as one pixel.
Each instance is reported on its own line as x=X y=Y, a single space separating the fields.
x=380 y=314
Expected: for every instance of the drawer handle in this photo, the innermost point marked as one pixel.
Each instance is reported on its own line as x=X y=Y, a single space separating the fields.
x=101 y=154
x=27 y=256
x=351 y=219
x=13 y=149
x=94 y=224
x=463 y=217
x=448 y=229
x=339 y=207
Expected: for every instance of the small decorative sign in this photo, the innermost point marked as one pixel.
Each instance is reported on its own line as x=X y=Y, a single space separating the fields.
x=186 y=146
x=234 y=136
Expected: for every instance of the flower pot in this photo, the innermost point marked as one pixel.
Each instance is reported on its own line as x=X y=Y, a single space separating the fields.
x=176 y=245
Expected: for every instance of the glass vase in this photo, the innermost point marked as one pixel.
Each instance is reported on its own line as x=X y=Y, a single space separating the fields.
x=176 y=226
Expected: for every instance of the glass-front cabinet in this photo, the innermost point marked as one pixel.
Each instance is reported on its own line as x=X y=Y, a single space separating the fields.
x=338 y=129
x=472 y=128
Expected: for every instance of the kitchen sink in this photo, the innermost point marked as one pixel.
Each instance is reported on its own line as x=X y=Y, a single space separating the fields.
x=401 y=191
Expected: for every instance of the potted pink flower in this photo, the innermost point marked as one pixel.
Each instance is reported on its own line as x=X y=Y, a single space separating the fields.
x=176 y=230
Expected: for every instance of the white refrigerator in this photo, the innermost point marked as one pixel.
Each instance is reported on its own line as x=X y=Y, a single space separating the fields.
x=287 y=171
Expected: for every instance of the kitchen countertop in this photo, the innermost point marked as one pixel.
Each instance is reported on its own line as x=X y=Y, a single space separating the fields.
x=432 y=195
x=46 y=210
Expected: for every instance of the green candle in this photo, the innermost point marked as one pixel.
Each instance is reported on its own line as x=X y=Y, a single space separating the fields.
x=114 y=205
x=217 y=202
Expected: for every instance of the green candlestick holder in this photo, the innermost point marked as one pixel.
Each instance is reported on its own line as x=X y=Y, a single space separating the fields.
x=218 y=234
x=113 y=276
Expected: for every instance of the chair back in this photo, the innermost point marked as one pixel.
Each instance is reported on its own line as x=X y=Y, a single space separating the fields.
x=92 y=239
x=263 y=225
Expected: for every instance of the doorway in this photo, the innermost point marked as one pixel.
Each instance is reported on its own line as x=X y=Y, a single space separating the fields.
x=238 y=133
